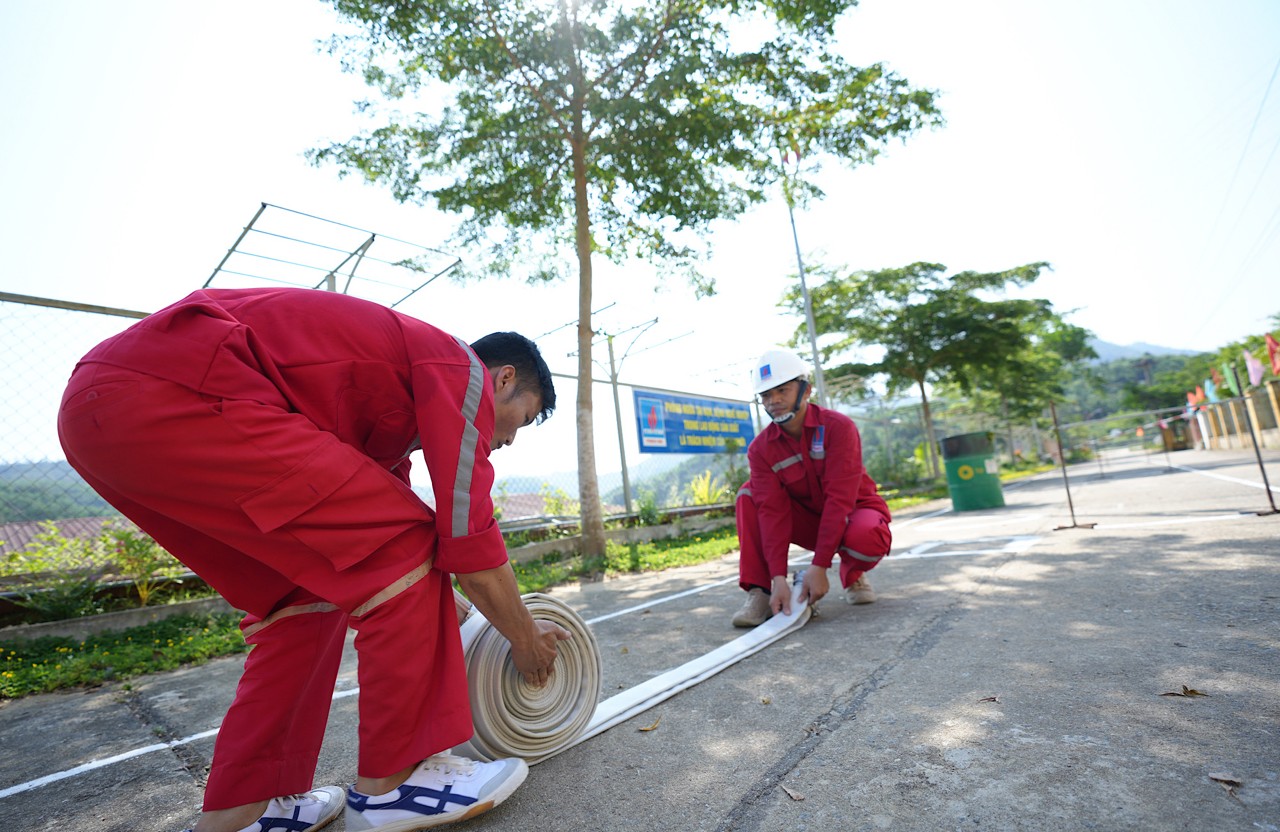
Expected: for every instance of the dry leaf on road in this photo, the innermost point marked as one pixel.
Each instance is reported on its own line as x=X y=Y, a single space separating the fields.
x=1186 y=691
x=793 y=795
x=651 y=727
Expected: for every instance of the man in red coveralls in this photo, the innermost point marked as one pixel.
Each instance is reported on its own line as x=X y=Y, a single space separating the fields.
x=807 y=487
x=263 y=437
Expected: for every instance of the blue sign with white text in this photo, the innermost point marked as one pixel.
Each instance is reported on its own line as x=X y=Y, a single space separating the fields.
x=673 y=424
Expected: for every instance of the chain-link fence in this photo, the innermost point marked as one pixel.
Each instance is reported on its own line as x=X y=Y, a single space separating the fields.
x=537 y=478
x=41 y=341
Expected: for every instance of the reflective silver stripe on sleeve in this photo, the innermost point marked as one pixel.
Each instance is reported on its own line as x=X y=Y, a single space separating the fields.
x=786 y=463
x=467 y=450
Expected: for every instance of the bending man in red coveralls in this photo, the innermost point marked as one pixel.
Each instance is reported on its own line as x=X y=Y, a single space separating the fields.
x=807 y=487
x=263 y=437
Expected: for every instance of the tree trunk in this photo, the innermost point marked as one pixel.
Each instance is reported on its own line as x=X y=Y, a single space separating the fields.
x=1008 y=428
x=593 y=541
x=930 y=440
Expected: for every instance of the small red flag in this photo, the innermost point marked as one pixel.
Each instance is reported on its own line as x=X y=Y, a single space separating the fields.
x=1273 y=350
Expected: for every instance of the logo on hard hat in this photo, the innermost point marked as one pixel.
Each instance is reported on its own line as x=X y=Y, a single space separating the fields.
x=765 y=372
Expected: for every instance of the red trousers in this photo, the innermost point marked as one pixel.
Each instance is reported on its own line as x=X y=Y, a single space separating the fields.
x=306 y=535
x=865 y=543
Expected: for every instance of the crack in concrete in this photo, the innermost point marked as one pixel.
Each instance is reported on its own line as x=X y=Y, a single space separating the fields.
x=191 y=761
x=749 y=813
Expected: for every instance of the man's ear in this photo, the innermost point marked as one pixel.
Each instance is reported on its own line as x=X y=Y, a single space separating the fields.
x=503 y=377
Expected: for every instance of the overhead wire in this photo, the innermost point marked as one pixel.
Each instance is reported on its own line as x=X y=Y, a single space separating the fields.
x=1228 y=286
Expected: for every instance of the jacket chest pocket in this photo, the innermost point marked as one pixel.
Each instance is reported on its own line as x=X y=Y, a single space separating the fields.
x=791 y=474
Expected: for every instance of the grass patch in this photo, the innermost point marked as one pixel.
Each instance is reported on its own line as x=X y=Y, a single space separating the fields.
x=56 y=662
x=1022 y=473
x=897 y=501
x=623 y=558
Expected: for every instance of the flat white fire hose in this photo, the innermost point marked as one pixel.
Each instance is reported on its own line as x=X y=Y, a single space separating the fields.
x=515 y=719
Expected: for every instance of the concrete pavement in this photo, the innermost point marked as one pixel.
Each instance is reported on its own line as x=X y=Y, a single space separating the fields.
x=1010 y=677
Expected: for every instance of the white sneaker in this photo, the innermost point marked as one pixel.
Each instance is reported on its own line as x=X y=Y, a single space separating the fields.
x=442 y=789
x=299 y=812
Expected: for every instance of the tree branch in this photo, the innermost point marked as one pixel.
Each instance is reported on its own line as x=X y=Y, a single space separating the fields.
x=531 y=78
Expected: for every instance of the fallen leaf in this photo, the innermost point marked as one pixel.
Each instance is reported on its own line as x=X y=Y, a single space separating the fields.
x=1231 y=790
x=1186 y=691
x=766 y=700
x=624 y=651
x=651 y=727
x=793 y=795
x=995 y=699
x=1227 y=779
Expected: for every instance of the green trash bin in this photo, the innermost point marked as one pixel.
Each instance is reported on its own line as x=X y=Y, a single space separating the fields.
x=972 y=471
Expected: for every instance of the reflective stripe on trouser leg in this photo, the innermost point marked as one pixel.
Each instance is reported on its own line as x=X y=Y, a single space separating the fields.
x=867 y=532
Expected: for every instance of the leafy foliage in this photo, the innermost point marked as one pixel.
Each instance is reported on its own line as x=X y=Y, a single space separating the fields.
x=139 y=558
x=619 y=129
x=931 y=328
x=56 y=576
x=706 y=490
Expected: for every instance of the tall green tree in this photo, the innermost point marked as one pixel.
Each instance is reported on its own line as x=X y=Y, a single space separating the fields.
x=618 y=129
x=931 y=328
x=1018 y=387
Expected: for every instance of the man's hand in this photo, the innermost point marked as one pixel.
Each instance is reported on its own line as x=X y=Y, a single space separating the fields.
x=780 y=595
x=814 y=585
x=533 y=643
x=536 y=662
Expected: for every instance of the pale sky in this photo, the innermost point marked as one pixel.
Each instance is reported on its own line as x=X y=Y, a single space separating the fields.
x=1130 y=143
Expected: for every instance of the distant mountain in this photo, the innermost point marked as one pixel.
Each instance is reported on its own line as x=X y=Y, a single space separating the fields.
x=1108 y=351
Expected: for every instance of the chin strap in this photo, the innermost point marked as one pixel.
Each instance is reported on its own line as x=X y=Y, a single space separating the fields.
x=795 y=408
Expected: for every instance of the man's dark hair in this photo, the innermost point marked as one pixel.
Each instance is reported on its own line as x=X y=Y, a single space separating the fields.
x=532 y=373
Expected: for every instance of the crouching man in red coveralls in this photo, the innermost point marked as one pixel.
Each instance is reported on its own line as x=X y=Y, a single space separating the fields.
x=807 y=487
x=263 y=437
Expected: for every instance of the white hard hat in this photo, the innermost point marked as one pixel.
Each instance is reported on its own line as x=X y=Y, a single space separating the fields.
x=777 y=367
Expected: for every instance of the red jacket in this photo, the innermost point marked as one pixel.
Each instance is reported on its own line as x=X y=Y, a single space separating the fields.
x=380 y=381
x=823 y=475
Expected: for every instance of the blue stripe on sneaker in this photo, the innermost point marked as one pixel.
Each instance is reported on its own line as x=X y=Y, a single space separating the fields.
x=407 y=800
x=277 y=824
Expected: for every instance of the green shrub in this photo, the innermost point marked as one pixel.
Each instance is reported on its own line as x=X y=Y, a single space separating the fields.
x=140 y=559
x=57 y=576
x=647 y=513
x=706 y=490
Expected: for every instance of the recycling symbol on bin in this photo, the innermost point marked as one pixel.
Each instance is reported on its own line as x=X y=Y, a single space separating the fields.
x=965 y=472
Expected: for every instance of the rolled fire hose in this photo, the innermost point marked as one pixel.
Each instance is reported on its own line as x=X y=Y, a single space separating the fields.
x=515 y=719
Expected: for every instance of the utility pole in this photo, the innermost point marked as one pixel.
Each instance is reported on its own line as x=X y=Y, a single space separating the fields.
x=819 y=383
x=617 y=412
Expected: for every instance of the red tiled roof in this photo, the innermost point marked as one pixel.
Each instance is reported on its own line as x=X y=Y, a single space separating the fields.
x=14 y=537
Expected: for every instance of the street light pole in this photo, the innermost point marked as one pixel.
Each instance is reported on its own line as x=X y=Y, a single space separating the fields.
x=808 y=306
